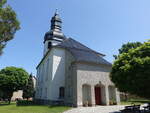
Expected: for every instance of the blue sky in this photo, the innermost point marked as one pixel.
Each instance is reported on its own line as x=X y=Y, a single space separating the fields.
x=103 y=25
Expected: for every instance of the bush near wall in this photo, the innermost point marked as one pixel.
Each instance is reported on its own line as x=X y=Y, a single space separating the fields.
x=25 y=103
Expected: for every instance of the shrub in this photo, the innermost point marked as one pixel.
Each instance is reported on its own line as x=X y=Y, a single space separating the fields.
x=25 y=103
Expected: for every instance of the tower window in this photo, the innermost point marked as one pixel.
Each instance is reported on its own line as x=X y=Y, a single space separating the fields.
x=61 y=92
x=49 y=45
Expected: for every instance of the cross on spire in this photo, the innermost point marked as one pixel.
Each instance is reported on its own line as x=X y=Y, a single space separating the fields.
x=56 y=11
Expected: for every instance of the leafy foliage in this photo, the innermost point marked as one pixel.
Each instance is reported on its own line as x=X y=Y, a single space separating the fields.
x=29 y=91
x=8 y=24
x=25 y=103
x=131 y=71
x=126 y=47
x=12 y=79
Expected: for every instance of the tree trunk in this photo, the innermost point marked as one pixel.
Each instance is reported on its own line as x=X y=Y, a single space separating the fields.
x=9 y=100
x=10 y=94
x=126 y=97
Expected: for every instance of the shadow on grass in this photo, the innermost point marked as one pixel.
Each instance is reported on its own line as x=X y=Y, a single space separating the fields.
x=33 y=103
x=54 y=106
x=30 y=105
x=6 y=104
x=49 y=106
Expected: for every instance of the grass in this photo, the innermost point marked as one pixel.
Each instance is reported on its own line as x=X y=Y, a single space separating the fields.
x=12 y=108
x=135 y=101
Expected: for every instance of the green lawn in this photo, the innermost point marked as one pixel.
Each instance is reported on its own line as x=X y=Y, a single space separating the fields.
x=135 y=101
x=31 y=109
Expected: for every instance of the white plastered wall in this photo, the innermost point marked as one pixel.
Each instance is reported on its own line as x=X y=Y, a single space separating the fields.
x=51 y=75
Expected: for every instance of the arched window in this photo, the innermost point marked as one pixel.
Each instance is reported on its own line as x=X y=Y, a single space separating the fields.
x=61 y=92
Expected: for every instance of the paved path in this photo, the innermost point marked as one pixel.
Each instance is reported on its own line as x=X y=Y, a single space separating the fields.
x=97 y=109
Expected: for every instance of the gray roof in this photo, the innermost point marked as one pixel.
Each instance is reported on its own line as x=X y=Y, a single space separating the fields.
x=83 y=53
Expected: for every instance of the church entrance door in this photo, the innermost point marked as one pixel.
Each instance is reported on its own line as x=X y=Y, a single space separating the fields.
x=97 y=95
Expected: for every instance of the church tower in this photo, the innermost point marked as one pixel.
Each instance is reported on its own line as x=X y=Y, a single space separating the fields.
x=54 y=36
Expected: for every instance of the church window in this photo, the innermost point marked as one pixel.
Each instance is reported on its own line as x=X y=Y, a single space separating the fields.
x=37 y=92
x=69 y=91
x=61 y=92
x=41 y=93
x=49 y=44
x=47 y=69
x=42 y=75
x=45 y=92
x=39 y=77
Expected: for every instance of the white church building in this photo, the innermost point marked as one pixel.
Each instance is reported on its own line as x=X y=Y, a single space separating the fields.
x=71 y=73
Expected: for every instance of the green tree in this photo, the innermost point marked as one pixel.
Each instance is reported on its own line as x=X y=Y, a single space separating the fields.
x=8 y=24
x=126 y=47
x=131 y=71
x=28 y=91
x=12 y=79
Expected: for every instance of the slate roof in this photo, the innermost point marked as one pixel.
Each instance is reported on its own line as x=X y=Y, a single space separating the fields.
x=83 y=53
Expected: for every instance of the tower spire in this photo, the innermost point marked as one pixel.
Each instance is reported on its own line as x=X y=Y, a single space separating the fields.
x=55 y=29
x=56 y=22
x=56 y=11
x=54 y=36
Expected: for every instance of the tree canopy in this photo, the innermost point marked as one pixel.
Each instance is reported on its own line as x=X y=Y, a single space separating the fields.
x=9 y=24
x=126 y=47
x=28 y=91
x=12 y=79
x=131 y=71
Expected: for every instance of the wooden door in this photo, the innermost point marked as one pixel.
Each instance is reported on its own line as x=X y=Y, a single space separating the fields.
x=97 y=95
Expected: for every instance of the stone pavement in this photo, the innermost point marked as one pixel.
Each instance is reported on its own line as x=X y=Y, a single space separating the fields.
x=97 y=109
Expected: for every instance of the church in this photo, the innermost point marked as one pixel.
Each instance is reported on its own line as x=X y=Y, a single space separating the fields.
x=72 y=74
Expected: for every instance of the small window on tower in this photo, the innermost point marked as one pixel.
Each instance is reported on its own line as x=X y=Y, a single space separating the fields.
x=49 y=45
